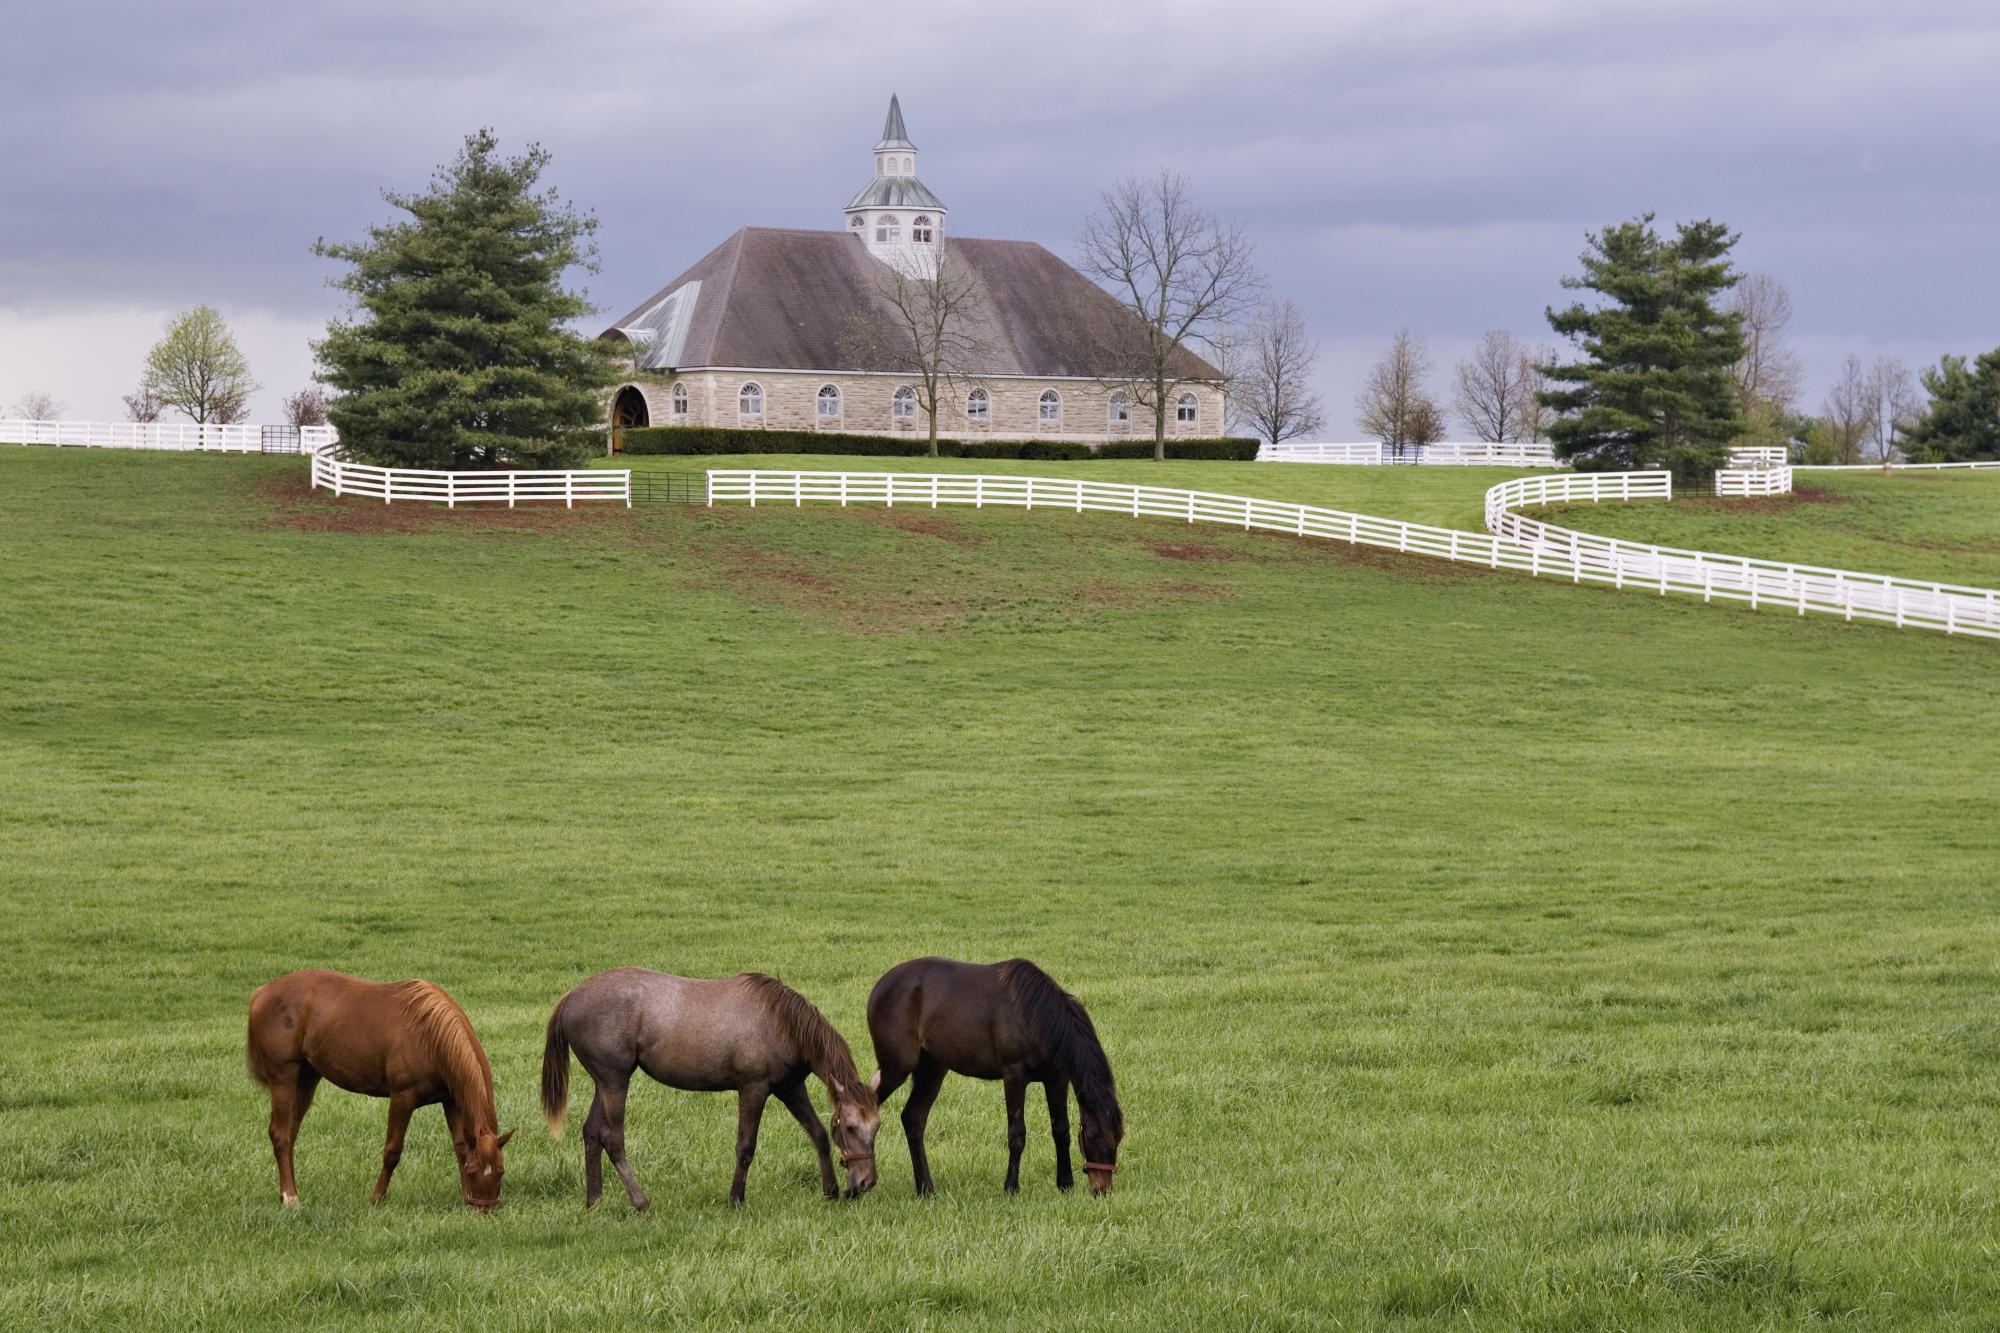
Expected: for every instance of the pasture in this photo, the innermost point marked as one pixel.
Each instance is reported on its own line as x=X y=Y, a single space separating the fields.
x=1471 y=951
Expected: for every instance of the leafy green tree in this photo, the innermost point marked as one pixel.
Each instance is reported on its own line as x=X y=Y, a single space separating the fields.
x=1654 y=386
x=459 y=355
x=1964 y=418
x=196 y=368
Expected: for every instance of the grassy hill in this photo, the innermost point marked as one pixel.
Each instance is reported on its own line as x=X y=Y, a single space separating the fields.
x=1471 y=951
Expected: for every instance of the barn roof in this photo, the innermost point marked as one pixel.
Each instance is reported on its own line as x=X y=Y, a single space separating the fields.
x=781 y=299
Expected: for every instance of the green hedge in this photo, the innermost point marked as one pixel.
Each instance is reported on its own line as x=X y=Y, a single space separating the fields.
x=719 y=440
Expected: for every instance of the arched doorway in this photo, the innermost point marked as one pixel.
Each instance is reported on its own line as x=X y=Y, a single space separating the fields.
x=628 y=409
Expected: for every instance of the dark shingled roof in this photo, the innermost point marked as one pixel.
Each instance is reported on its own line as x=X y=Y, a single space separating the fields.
x=781 y=299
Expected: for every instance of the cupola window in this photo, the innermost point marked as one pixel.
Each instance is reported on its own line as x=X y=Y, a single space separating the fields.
x=888 y=229
x=920 y=229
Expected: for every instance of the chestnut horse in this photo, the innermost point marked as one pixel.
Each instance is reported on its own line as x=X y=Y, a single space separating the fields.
x=1009 y=1021
x=404 y=1040
x=749 y=1032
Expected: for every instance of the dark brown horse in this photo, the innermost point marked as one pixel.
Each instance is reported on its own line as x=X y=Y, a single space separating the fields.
x=1010 y=1021
x=404 y=1040
x=750 y=1032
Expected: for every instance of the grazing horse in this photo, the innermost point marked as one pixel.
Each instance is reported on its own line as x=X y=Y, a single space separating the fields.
x=1009 y=1021
x=404 y=1040
x=749 y=1032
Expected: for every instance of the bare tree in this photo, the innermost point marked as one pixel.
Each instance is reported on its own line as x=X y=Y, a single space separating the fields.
x=1849 y=412
x=1769 y=371
x=307 y=407
x=1271 y=392
x=1896 y=404
x=1178 y=271
x=196 y=368
x=1531 y=414
x=1493 y=390
x=930 y=326
x=37 y=406
x=1394 y=405
x=141 y=405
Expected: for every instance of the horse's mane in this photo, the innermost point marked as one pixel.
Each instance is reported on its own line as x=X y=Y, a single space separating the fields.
x=821 y=1044
x=1058 y=1019
x=447 y=1034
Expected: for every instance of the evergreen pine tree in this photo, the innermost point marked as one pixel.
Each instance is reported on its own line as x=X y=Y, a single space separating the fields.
x=1654 y=387
x=458 y=355
x=1964 y=418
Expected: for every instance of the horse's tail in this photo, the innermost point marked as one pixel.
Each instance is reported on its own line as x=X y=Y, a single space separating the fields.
x=1066 y=1033
x=555 y=1072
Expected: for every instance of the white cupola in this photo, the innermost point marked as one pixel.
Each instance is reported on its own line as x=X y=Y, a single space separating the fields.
x=898 y=220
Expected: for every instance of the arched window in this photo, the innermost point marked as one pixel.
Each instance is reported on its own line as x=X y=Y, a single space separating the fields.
x=1051 y=406
x=750 y=401
x=680 y=400
x=909 y=165
x=903 y=407
x=888 y=229
x=1121 y=409
x=857 y=222
x=976 y=404
x=920 y=229
x=1186 y=409
x=829 y=401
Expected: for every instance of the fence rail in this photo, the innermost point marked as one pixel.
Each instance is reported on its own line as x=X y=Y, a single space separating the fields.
x=1515 y=541
x=171 y=435
x=390 y=484
x=1373 y=453
x=1759 y=481
x=1762 y=583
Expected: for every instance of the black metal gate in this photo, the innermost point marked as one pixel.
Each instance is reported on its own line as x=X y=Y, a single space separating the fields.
x=669 y=488
x=282 y=440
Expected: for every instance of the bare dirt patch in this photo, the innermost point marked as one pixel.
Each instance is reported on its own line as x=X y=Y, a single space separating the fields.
x=1196 y=551
x=921 y=522
x=1770 y=504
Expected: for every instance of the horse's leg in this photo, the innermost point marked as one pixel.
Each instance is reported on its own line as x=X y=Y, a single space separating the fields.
x=1016 y=1089
x=289 y=1098
x=799 y=1102
x=1057 y=1088
x=593 y=1149
x=402 y=1105
x=917 y=1114
x=611 y=1089
x=750 y=1101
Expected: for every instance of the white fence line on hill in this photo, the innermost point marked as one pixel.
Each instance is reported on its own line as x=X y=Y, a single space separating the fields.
x=1519 y=543
x=1759 y=456
x=390 y=484
x=1953 y=608
x=1374 y=453
x=172 y=435
x=1877 y=467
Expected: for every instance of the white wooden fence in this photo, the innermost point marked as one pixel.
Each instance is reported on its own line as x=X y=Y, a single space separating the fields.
x=1762 y=583
x=168 y=435
x=1372 y=452
x=390 y=484
x=1515 y=542
x=1759 y=456
x=1730 y=482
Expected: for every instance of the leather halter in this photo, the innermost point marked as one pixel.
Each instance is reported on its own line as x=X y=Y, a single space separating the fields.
x=1106 y=1167
x=850 y=1158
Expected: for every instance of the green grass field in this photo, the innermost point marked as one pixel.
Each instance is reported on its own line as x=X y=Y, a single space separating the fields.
x=1472 y=951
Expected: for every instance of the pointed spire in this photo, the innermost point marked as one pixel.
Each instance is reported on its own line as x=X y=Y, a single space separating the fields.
x=893 y=133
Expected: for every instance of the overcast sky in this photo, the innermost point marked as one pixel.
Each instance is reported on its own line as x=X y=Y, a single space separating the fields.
x=1398 y=163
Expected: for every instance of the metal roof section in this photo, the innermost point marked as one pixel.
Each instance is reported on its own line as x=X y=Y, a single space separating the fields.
x=893 y=133
x=663 y=326
x=895 y=192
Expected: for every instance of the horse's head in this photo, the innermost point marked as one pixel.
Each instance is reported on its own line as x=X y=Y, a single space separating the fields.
x=1098 y=1136
x=480 y=1169
x=855 y=1120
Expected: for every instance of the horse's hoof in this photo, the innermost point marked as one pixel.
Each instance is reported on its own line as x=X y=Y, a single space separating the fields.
x=289 y=1200
x=643 y=1206
x=1065 y=1185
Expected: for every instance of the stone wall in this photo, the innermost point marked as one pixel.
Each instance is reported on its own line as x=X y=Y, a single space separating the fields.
x=1013 y=407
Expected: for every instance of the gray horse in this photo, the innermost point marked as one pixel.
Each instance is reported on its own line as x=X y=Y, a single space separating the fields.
x=750 y=1032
